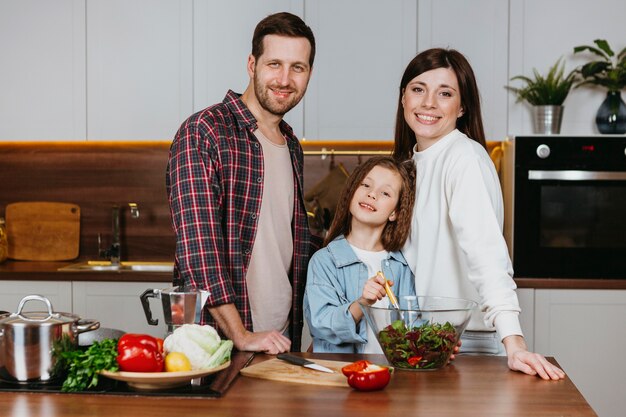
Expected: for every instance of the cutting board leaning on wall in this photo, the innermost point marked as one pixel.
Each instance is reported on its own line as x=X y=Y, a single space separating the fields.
x=43 y=231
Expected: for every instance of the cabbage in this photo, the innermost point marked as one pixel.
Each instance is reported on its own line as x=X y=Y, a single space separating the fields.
x=201 y=344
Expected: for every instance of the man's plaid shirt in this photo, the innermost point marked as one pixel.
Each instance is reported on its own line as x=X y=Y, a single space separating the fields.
x=215 y=185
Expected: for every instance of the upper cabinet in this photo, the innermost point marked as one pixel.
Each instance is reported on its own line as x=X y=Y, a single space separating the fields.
x=222 y=33
x=119 y=69
x=543 y=31
x=363 y=47
x=479 y=30
x=139 y=68
x=42 y=71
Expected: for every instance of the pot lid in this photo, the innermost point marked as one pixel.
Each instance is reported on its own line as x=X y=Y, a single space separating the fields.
x=37 y=318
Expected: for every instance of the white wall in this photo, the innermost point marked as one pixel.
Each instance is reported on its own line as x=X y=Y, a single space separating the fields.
x=135 y=69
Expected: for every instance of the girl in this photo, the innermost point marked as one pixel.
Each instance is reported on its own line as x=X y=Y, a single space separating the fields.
x=456 y=246
x=371 y=223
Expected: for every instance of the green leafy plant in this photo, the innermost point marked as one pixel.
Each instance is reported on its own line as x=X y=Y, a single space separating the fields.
x=551 y=90
x=83 y=366
x=609 y=71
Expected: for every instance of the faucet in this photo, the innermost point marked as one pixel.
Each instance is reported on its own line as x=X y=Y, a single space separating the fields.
x=114 y=251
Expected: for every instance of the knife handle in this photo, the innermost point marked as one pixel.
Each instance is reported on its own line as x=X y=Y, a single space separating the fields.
x=296 y=360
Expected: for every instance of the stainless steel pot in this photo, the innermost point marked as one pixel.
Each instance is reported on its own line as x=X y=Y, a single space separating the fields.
x=29 y=341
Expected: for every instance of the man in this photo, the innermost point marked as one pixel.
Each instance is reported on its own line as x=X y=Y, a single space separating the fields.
x=234 y=181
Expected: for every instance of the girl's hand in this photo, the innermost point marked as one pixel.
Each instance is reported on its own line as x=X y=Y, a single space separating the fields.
x=373 y=290
x=520 y=359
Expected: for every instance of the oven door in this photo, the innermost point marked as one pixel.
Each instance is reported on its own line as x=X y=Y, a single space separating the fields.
x=570 y=224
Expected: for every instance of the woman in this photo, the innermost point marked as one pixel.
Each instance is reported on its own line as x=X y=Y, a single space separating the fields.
x=456 y=247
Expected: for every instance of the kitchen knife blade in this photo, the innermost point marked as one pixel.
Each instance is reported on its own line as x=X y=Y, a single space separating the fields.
x=297 y=360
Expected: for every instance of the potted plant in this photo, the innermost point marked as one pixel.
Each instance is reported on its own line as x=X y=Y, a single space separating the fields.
x=608 y=72
x=546 y=96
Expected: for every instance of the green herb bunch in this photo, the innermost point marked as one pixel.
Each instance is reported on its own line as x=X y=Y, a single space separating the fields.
x=551 y=90
x=83 y=366
x=609 y=71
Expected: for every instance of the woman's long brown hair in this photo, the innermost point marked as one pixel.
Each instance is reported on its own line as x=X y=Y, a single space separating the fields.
x=470 y=123
x=395 y=232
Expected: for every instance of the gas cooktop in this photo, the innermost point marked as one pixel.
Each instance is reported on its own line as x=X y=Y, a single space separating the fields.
x=211 y=386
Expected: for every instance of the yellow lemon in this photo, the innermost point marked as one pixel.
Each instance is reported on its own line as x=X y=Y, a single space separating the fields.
x=176 y=362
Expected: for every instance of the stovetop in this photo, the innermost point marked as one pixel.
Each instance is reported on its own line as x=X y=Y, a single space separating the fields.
x=211 y=386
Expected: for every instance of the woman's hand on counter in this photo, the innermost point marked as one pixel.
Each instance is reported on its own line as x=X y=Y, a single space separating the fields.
x=520 y=359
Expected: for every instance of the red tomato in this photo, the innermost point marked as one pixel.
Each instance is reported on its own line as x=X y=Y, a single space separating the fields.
x=365 y=376
x=414 y=360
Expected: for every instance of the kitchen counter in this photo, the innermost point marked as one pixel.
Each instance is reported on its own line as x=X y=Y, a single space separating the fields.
x=49 y=271
x=31 y=271
x=470 y=386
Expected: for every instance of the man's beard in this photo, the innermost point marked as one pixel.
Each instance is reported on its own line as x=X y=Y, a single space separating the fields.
x=270 y=104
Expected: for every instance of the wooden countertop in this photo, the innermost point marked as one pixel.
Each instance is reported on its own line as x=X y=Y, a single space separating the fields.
x=470 y=386
x=48 y=271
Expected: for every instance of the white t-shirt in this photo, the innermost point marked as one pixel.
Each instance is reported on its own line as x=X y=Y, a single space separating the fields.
x=456 y=248
x=373 y=261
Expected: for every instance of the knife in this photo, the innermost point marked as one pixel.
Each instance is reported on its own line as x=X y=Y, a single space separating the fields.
x=297 y=360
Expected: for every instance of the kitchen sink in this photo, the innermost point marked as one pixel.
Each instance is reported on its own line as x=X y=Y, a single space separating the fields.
x=124 y=266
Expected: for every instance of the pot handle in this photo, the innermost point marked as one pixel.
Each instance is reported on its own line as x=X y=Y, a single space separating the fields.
x=41 y=298
x=85 y=325
x=152 y=293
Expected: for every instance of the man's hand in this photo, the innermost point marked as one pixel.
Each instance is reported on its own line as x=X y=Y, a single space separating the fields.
x=520 y=359
x=272 y=342
x=229 y=322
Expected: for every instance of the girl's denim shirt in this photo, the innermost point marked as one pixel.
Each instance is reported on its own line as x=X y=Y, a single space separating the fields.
x=335 y=279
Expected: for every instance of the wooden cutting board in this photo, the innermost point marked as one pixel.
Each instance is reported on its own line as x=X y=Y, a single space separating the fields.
x=43 y=231
x=278 y=370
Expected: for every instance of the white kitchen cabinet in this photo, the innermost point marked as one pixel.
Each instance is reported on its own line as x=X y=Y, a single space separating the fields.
x=479 y=30
x=42 y=76
x=117 y=305
x=363 y=47
x=526 y=297
x=537 y=38
x=139 y=68
x=584 y=330
x=58 y=292
x=222 y=34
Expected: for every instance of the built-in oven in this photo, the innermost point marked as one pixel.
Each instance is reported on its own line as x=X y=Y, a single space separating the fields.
x=569 y=217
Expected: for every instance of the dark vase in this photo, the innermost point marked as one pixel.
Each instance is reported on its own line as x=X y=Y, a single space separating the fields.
x=611 y=116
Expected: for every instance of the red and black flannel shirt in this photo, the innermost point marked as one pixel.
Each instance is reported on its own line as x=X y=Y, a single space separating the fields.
x=215 y=184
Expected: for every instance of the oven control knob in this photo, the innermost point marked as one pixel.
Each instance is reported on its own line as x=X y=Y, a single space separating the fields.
x=543 y=151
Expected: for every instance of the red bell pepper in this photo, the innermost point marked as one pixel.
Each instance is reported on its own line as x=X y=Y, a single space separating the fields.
x=365 y=376
x=139 y=353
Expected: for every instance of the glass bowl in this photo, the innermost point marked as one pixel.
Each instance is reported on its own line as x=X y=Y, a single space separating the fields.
x=422 y=334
